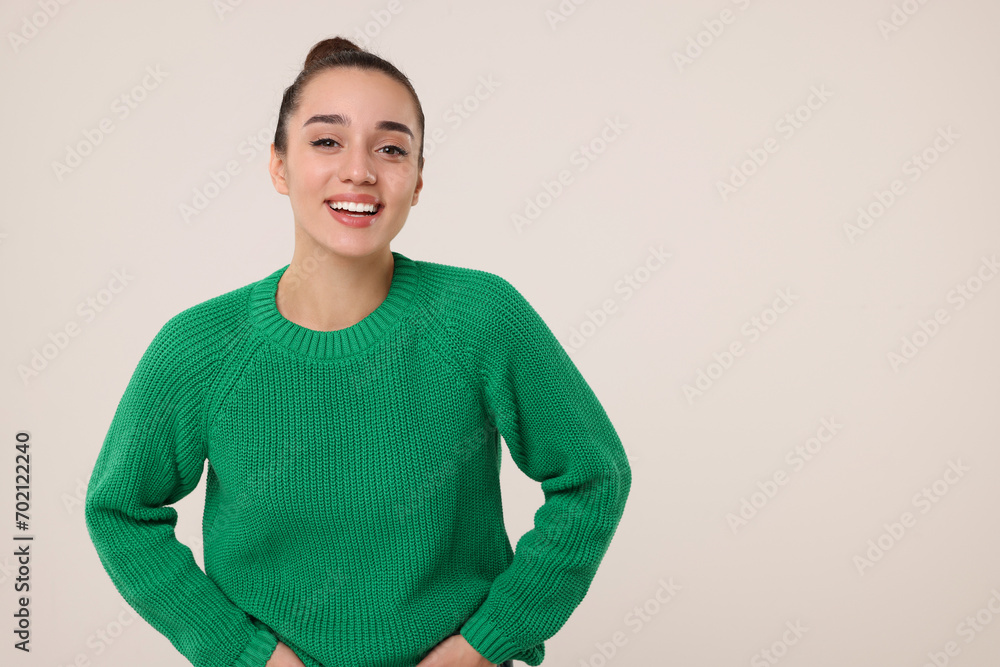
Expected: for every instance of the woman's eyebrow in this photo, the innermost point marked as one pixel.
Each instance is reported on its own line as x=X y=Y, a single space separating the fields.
x=340 y=119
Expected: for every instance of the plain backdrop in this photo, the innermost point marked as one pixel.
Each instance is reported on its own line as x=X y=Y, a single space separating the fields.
x=766 y=231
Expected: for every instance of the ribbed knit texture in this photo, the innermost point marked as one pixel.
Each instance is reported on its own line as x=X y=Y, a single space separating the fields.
x=352 y=500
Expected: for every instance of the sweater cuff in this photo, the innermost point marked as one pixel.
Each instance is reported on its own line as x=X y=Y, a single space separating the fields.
x=259 y=650
x=488 y=639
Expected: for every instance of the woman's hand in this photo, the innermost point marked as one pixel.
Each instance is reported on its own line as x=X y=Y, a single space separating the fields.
x=454 y=651
x=283 y=657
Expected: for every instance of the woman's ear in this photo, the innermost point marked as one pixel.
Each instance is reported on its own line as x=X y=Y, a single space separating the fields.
x=420 y=185
x=276 y=166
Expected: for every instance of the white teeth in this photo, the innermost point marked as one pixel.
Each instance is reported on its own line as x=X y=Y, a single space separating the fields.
x=352 y=206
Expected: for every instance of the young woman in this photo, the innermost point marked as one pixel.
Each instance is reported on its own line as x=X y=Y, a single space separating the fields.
x=350 y=407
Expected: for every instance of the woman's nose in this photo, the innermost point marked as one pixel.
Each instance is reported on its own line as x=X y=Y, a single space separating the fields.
x=357 y=166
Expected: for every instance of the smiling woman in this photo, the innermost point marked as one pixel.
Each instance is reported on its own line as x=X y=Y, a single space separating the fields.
x=351 y=406
x=346 y=141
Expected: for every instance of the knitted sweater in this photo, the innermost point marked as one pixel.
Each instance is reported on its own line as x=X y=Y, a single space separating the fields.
x=352 y=499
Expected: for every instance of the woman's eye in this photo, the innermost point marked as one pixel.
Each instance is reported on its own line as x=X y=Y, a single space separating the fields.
x=399 y=151
x=328 y=143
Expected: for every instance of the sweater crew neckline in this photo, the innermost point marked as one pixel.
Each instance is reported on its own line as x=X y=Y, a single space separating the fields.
x=341 y=342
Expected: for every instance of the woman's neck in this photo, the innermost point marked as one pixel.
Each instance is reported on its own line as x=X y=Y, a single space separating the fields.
x=324 y=291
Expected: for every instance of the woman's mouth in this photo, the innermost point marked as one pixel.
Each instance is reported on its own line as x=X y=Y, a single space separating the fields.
x=353 y=214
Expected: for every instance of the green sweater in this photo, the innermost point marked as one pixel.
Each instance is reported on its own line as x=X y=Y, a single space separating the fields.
x=352 y=495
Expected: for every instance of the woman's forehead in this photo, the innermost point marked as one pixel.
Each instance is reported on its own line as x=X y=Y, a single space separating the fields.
x=353 y=88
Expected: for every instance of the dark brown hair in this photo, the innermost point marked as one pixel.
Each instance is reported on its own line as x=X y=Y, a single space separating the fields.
x=339 y=52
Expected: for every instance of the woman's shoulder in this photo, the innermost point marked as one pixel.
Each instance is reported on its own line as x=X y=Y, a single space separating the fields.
x=468 y=284
x=213 y=311
x=475 y=302
x=198 y=332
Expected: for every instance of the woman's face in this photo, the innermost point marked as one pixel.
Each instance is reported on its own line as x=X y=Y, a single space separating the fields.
x=339 y=143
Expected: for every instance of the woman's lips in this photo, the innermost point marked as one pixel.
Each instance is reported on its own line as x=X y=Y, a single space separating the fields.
x=347 y=218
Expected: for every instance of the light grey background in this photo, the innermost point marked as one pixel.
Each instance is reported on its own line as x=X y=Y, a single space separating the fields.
x=887 y=96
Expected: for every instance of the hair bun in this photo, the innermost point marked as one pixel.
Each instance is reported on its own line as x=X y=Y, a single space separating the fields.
x=327 y=47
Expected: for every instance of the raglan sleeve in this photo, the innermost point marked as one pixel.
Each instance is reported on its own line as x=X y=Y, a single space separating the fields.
x=153 y=456
x=558 y=434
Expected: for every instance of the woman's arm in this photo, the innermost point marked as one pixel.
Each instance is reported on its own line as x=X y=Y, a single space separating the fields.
x=558 y=434
x=153 y=456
